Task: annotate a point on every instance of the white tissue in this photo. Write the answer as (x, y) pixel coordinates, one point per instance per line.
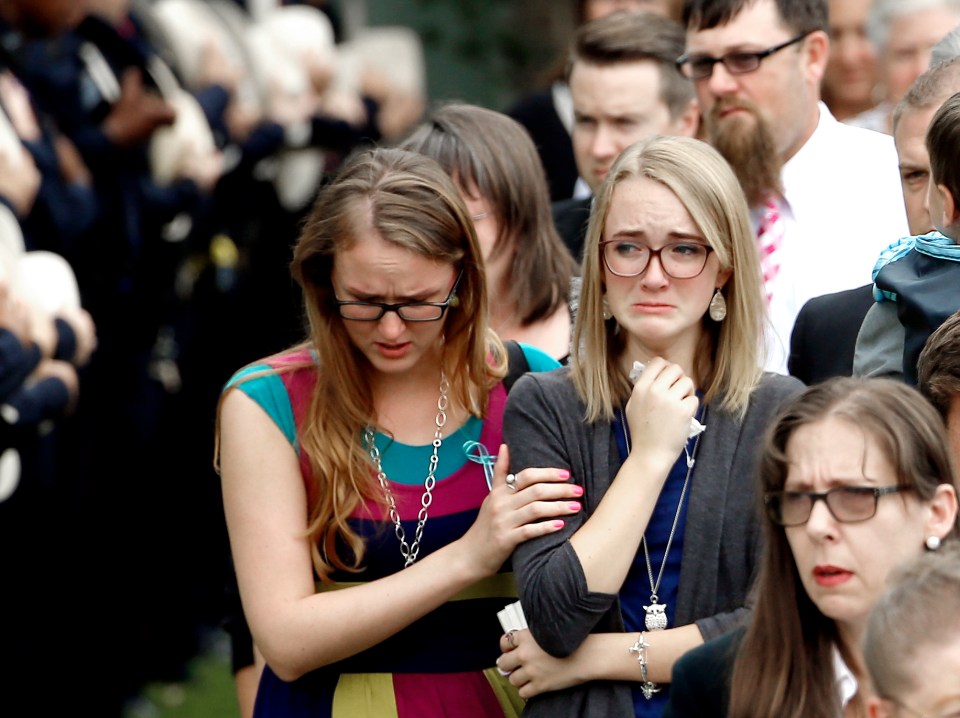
(695, 426)
(512, 618)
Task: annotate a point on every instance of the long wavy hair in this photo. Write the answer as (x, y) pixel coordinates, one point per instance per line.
(728, 361)
(490, 151)
(784, 666)
(413, 203)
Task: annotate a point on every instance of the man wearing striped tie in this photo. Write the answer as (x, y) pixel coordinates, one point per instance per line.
(825, 196)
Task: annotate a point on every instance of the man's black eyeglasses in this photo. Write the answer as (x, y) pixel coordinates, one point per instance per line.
(407, 311)
(700, 67)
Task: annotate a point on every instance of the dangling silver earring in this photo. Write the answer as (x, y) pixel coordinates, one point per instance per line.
(933, 543)
(607, 314)
(718, 307)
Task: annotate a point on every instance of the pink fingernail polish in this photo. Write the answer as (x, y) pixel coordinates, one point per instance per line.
(574, 506)
(578, 491)
(559, 524)
(563, 474)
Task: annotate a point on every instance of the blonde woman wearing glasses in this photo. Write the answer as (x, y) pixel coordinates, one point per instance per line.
(365, 486)
(662, 556)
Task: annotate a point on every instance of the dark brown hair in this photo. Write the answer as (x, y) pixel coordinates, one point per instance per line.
(943, 145)
(632, 37)
(486, 149)
(938, 368)
(797, 15)
(784, 665)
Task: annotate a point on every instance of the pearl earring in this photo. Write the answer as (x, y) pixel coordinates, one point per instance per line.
(933, 543)
(607, 314)
(718, 307)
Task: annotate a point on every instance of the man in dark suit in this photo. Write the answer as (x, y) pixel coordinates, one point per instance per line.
(825, 333)
(625, 87)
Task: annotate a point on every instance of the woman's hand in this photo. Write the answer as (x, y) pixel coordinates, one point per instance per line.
(534, 671)
(659, 410)
(532, 504)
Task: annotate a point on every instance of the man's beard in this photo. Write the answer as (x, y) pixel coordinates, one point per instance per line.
(746, 141)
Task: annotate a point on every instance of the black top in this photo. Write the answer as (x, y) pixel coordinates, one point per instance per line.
(571, 217)
(701, 679)
(825, 334)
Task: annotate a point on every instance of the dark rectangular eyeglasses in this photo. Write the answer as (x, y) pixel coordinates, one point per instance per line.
(407, 311)
(700, 67)
(847, 504)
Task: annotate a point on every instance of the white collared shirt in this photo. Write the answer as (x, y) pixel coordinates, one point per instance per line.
(843, 205)
(846, 682)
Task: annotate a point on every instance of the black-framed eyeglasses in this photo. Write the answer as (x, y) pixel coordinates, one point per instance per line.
(680, 260)
(740, 62)
(407, 311)
(847, 504)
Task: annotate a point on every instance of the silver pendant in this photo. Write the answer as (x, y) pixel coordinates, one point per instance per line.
(648, 689)
(656, 618)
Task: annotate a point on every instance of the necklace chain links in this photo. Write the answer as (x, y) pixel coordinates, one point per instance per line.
(656, 618)
(411, 551)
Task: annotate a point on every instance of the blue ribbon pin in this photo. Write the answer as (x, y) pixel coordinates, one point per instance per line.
(478, 454)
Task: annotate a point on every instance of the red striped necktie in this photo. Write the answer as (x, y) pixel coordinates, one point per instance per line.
(769, 240)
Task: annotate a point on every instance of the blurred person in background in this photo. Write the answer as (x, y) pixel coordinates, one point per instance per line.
(904, 33)
(912, 642)
(496, 168)
(850, 80)
(547, 112)
(625, 87)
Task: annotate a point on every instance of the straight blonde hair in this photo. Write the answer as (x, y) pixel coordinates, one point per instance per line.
(728, 361)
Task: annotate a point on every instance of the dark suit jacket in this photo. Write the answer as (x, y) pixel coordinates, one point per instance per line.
(537, 114)
(825, 334)
(700, 685)
(571, 216)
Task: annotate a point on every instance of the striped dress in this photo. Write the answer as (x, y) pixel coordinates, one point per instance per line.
(443, 663)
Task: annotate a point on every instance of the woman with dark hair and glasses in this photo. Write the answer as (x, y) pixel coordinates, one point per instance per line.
(855, 479)
(365, 485)
(663, 554)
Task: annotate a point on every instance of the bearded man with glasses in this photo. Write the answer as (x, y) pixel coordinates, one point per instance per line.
(824, 196)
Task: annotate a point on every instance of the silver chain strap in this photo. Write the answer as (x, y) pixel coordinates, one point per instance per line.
(655, 587)
(410, 552)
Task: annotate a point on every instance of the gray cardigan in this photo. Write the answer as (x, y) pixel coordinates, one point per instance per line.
(544, 426)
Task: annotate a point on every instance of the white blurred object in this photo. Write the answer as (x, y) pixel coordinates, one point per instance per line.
(11, 243)
(9, 473)
(294, 55)
(47, 282)
(191, 27)
(44, 280)
(188, 137)
(302, 32)
(512, 618)
(395, 52)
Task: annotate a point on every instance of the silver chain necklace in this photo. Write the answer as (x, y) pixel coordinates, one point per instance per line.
(408, 551)
(656, 613)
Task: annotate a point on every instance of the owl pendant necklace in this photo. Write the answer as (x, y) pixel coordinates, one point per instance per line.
(656, 613)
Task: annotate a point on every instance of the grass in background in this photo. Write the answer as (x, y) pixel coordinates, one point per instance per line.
(208, 693)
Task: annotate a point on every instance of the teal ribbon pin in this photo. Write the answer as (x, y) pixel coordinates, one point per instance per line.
(478, 454)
